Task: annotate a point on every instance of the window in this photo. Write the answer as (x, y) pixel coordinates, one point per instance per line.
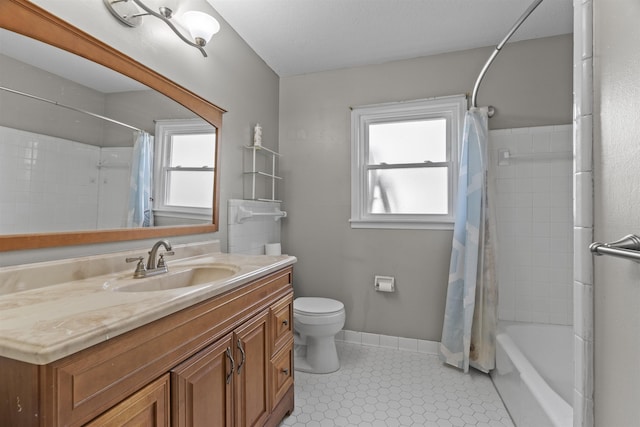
(404, 159)
(184, 168)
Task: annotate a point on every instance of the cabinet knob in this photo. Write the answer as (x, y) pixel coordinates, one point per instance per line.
(285, 371)
(285, 322)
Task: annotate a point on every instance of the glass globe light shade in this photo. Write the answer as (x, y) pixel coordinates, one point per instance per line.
(201, 26)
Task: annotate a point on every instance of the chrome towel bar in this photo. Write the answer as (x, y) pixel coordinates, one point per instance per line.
(244, 214)
(627, 247)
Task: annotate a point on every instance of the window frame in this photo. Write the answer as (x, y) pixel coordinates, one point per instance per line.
(165, 130)
(450, 108)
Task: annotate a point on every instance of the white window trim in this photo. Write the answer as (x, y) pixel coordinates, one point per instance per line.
(451, 107)
(164, 130)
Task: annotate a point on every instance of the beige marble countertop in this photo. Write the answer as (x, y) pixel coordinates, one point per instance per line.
(47, 323)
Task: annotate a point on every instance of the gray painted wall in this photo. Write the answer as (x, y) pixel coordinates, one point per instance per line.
(530, 84)
(233, 77)
(616, 199)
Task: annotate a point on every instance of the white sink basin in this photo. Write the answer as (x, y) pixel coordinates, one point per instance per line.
(173, 280)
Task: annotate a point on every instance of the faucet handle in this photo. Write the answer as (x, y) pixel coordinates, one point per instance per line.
(161, 261)
(139, 267)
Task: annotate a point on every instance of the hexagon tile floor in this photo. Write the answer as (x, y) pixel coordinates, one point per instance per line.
(378, 386)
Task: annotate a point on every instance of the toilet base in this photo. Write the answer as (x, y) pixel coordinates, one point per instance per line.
(321, 356)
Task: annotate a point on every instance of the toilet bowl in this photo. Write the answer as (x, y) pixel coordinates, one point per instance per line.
(316, 321)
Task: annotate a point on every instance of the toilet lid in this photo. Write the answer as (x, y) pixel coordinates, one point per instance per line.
(312, 306)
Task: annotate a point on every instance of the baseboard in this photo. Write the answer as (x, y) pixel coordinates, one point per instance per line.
(387, 341)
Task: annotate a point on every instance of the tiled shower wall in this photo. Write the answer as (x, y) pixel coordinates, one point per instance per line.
(534, 223)
(53, 184)
(113, 186)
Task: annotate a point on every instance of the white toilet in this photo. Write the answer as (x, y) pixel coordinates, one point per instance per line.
(316, 321)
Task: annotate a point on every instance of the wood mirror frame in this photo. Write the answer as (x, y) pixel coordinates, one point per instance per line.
(25, 18)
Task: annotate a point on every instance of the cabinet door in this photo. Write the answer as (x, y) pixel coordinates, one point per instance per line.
(201, 393)
(252, 386)
(147, 407)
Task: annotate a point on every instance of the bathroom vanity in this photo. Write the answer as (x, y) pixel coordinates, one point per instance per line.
(110, 350)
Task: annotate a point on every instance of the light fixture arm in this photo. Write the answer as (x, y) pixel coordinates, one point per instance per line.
(201, 25)
(167, 21)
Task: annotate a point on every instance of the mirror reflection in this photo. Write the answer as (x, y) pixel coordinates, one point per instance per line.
(85, 148)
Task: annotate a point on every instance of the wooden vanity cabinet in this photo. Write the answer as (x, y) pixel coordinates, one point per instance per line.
(226, 361)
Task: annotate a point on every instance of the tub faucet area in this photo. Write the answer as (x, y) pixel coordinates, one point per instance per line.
(152, 267)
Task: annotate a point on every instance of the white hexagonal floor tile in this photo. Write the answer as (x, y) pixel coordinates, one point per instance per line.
(384, 387)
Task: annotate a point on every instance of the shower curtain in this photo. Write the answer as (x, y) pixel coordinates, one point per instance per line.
(468, 334)
(139, 212)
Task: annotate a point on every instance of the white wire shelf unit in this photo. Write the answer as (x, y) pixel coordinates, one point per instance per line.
(255, 173)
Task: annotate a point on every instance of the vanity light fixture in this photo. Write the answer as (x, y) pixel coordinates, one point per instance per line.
(200, 25)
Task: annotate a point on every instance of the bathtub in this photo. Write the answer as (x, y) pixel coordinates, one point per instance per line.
(534, 373)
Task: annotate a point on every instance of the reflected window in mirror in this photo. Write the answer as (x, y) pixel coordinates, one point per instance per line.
(184, 170)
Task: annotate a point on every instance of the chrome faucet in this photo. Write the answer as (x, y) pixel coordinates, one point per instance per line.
(152, 268)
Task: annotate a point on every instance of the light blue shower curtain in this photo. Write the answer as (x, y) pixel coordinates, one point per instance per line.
(468, 333)
(139, 212)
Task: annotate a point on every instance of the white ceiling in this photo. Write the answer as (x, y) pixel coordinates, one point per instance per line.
(303, 36)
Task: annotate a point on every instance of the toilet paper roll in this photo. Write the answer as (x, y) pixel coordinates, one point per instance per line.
(273, 249)
(385, 284)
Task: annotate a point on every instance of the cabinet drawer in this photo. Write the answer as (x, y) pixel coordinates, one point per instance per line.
(281, 323)
(147, 407)
(281, 372)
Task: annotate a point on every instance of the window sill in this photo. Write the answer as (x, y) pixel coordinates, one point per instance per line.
(206, 216)
(402, 225)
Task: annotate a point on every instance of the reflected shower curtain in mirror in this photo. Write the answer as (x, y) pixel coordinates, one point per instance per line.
(468, 333)
(139, 213)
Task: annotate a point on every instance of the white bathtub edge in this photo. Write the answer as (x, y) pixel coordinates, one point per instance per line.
(557, 409)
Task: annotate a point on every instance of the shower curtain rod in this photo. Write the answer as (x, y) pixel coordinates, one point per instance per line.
(495, 53)
(68, 107)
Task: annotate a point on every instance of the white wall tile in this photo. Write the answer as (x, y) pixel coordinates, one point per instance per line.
(430, 347)
(353, 337)
(582, 354)
(389, 341)
(408, 344)
(583, 197)
(582, 256)
(583, 311)
(586, 16)
(534, 211)
(583, 152)
(370, 339)
(250, 235)
(586, 97)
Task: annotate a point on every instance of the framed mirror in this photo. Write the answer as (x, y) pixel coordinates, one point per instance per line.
(138, 88)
